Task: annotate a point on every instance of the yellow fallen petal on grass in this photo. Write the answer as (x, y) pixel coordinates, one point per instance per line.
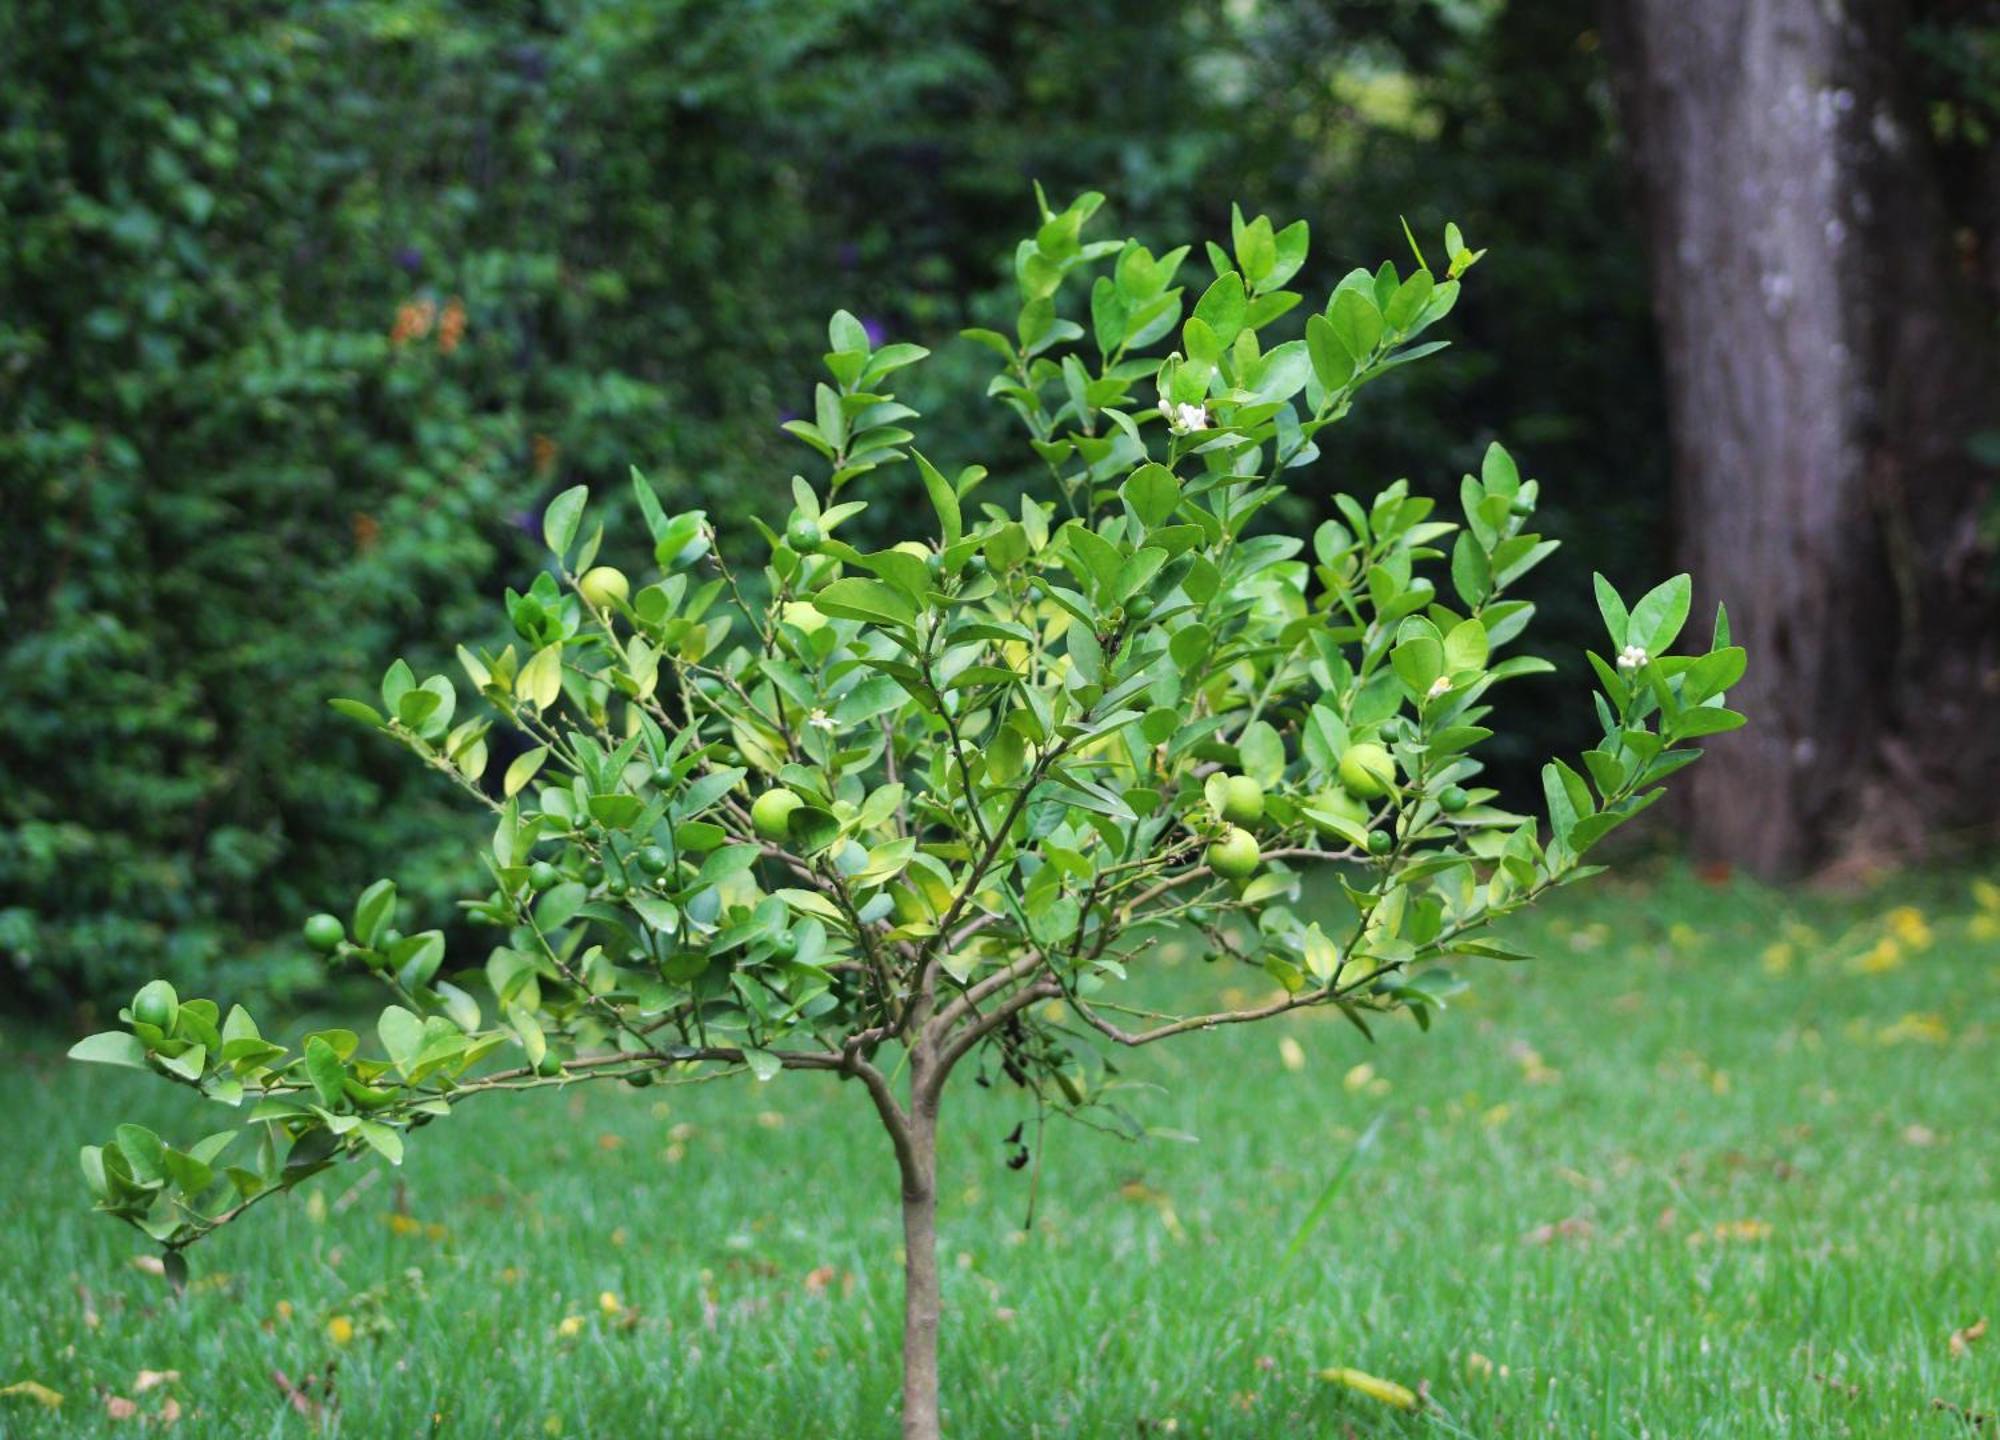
(1291, 1054)
(33, 1390)
(340, 1329)
(1373, 1386)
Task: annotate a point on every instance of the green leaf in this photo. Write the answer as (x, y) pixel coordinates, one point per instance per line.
(616, 811)
(874, 696)
(564, 514)
(944, 499)
(868, 600)
(1222, 307)
(540, 680)
(1357, 324)
(1465, 647)
(384, 1141)
(1419, 662)
(328, 1075)
(559, 906)
(524, 768)
(402, 1036)
(373, 911)
(1616, 621)
(1262, 752)
(1333, 365)
(1153, 493)
(358, 710)
(110, 1047)
(1661, 612)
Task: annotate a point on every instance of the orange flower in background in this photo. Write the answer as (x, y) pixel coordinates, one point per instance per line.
(451, 325)
(545, 452)
(414, 319)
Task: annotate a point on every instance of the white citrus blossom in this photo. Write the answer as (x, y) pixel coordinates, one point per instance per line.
(1439, 686)
(1184, 419)
(1632, 657)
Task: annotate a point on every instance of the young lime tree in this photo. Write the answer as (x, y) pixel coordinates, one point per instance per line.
(880, 812)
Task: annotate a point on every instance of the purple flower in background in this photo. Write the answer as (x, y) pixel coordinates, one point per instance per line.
(410, 258)
(529, 522)
(532, 62)
(849, 255)
(875, 331)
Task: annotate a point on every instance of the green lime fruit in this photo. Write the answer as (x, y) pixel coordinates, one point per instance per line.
(804, 536)
(1235, 856)
(1453, 799)
(653, 860)
(156, 1005)
(602, 587)
(1380, 842)
(1139, 607)
(324, 933)
(1367, 770)
(663, 776)
(1242, 800)
(771, 816)
(785, 946)
(549, 1064)
(543, 876)
(616, 888)
(639, 1079)
(593, 874)
(1335, 801)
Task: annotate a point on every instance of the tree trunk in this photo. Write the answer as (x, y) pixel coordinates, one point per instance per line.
(917, 1160)
(1827, 362)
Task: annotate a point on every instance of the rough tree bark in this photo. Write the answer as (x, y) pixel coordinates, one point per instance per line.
(1827, 360)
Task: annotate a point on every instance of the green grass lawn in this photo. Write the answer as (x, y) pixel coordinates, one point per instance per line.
(1722, 1164)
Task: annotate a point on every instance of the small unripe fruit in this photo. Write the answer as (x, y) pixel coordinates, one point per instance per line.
(639, 1079)
(1380, 842)
(1367, 770)
(603, 586)
(324, 933)
(1139, 607)
(804, 536)
(662, 776)
(156, 1005)
(549, 1064)
(1242, 800)
(653, 860)
(785, 946)
(542, 876)
(1453, 799)
(771, 816)
(593, 874)
(616, 888)
(804, 617)
(1235, 856)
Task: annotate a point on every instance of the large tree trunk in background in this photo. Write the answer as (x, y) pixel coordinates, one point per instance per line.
(1827, 358)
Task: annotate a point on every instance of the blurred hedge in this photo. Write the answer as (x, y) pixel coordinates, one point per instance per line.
(306, 305)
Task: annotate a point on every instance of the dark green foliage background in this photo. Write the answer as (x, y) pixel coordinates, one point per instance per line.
(226, 495)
